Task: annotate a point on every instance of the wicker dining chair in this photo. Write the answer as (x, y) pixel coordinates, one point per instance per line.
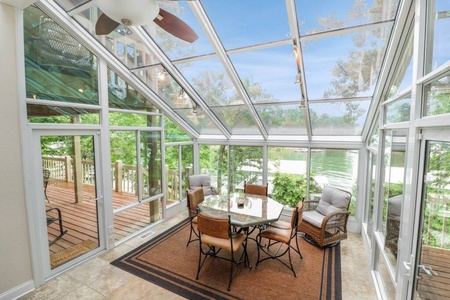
(216, 234)
(325, 221)
(194, 198)
(282, 232)
(255, 189)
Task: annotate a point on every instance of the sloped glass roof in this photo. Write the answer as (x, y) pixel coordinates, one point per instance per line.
(270, 69)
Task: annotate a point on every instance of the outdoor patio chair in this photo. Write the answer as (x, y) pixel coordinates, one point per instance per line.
(215, 233)
(203, 181)
(282, 232)
(325, 221)
(52, 218)
(194, 198)
(255, 189)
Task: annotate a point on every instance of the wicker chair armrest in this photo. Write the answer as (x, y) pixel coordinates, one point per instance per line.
(335, 216)
(310, 205)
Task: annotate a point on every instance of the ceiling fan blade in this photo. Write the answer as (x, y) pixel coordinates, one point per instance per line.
(105, 25)
(175, 26)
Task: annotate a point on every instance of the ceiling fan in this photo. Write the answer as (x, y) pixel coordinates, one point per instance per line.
(138, 13)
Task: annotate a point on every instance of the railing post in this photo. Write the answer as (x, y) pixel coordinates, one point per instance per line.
(118, 174)
(68, 169)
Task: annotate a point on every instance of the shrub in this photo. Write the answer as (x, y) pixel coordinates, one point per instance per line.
(289, 189)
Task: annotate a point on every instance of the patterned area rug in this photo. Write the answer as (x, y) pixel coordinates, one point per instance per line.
(167, 262)
(65, 255)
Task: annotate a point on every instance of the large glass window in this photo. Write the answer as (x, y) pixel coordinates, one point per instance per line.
(437, 97)
(287, 174)
(245, 165)
(57, 66)
(399, 110)
(214, 161)
(393, 184)
(179, 164)
(437, 34)
(336, 167)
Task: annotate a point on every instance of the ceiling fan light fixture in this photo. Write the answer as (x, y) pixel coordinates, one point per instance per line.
(130, 12)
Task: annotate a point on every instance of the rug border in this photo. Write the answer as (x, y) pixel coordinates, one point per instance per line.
(182, 287)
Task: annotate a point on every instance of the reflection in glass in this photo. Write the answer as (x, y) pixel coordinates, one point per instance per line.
(351, 69)
(327, 16)
(283, 119)
(394, 169)
(399, 110)
(57, 66)
(438, 20)
(437, 97)
(237, 119)
(61, 115)
(122, 95)
(338, 117)
(403, 72)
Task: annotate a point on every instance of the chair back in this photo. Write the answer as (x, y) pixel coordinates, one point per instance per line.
(297, 215)
(333, 199)
(201, 180)
(194, 198)
(46, 176)
(255, 189)
(216, 227)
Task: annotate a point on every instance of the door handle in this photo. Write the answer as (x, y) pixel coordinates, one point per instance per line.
(428, 270)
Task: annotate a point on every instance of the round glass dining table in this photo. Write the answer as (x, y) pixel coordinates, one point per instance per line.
(245, 210)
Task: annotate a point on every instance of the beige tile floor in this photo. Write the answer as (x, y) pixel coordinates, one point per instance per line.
(98, 279)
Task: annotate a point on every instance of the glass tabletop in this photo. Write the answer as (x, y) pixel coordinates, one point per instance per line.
(245, 210)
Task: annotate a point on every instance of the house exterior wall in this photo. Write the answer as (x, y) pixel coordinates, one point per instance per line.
(15, 261)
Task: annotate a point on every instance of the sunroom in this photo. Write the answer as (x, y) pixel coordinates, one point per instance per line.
(289, 94)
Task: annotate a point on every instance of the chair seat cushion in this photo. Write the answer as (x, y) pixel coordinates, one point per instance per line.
(277, 234)
(224, 243)
(313, 217)
(332, 199)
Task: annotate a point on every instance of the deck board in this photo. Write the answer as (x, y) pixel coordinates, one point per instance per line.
(80, 219)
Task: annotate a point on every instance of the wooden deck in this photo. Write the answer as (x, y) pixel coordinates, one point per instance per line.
(437, 287)
(80, 219)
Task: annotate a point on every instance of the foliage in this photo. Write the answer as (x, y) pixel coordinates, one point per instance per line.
(289, 189)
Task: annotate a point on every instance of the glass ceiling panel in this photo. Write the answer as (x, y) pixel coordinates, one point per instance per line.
(174, 47)
(123, 43)
(351, 69)
(68, 5)
(268, 75)
(283, 119)
(165, 86)
(199, 121)
(243, 23)
(210, 80)
(237, 119)
(338, 117)
(328, 15)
